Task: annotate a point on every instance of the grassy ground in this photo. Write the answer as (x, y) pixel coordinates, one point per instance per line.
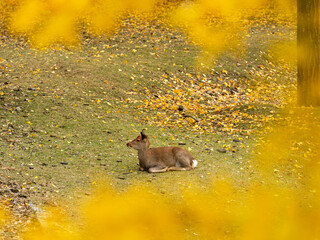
(66, 118)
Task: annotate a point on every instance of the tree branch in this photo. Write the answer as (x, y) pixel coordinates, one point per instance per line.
(181, 109)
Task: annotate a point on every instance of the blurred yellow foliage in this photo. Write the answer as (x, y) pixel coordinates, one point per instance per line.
(51, 224)
(136, 214)
(27, 16)
(211, 24)
(2, 216)
(46, 22)
(263, 212)
(285, 52)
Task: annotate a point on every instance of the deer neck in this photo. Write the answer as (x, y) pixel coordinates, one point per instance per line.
(143, 154)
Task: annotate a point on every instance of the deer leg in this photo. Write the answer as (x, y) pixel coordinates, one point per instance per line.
(157, 169)
(179, 168)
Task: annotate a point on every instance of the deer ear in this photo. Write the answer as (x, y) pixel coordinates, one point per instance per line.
(143, 135)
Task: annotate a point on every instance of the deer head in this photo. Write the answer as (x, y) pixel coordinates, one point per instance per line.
(140, 143)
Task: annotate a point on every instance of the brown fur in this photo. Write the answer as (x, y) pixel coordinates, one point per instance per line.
(161, 159)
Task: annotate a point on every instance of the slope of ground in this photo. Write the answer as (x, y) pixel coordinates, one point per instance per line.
(67, 114)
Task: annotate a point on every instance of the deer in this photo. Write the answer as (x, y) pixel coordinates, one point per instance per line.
(161, 159)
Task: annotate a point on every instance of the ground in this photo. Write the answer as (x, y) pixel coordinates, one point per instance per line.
(67, 113)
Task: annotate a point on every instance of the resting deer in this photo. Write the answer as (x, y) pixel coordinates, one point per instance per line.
(161, 159)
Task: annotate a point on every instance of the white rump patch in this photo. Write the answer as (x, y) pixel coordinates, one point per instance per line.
(194, 163)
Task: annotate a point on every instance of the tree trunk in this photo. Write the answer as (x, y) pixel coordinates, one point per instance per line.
(308, 53)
